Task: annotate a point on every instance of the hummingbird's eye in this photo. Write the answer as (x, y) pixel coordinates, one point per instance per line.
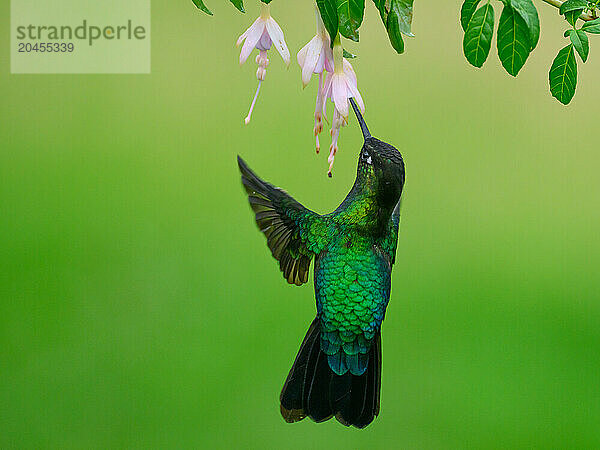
(367, 158)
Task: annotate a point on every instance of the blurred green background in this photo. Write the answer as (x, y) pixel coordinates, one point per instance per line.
(140, 307)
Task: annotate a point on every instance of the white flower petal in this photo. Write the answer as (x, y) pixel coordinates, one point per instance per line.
(326, 92)
(349, 71)
(245, 33)
(301, 57)
(276, 35)
(327, 85)
(253, 35)
(312, 57)
(339, 94)
(354, 92)
(320, 66)
(241, 38)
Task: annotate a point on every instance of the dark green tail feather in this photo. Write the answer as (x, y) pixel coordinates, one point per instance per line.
(312, 389)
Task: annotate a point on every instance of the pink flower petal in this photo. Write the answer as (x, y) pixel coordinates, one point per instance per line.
(354, 93)
(278, 40)
(241, 38)
(327, 85)
(339, 94)
(320, 66)
(349, 71)
(312, 56)
(326, 92)
(245, 33)
(301, 57)
(253, 35)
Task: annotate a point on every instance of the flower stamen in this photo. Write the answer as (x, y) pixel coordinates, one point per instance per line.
(249, 116)
(318, 108)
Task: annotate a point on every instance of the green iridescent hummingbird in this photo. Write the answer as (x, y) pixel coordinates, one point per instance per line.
(337, 371)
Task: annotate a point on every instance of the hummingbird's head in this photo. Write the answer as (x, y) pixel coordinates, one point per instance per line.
(381, 165)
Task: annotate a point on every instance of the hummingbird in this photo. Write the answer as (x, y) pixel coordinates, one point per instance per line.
(337, 371)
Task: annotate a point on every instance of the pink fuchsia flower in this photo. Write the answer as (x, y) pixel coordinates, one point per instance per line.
(317, 57)
(262, 34)
(339, 87)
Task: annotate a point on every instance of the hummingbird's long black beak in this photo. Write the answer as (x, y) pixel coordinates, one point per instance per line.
(363, 126)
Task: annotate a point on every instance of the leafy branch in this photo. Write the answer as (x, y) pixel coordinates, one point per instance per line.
(584, 16)
(518, 31)
(346, 16)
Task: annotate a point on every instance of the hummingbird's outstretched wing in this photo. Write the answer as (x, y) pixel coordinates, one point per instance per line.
(390, 239)
(294, 233)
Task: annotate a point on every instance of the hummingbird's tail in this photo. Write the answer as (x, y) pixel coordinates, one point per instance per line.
(312, 389)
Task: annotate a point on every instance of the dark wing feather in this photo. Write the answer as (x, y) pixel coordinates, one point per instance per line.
(287, 225)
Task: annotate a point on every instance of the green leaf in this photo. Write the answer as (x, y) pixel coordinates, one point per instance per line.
(528, 12)
(380, 5)
(403, 9)
(328, 11)
(348, 55)
(513, 43)
(200, 5)
(593, 26)
(571, 5)
(394, 21)
(466, 12)
(350, 14)
(266, 1)
(478, 37)
(581, 43)
(394, 33)
(572, 16)
(239, 4)
(563, 75)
